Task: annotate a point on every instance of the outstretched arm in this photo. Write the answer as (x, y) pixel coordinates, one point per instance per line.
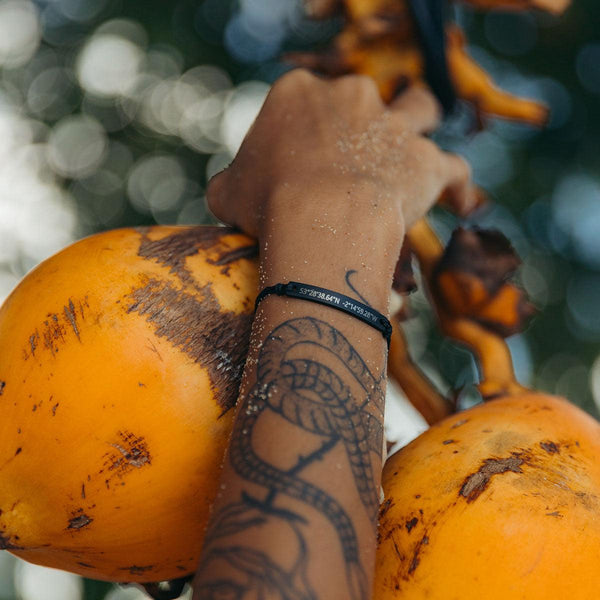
(327, 180)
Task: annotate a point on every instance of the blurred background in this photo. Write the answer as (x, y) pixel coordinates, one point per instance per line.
(116, 113)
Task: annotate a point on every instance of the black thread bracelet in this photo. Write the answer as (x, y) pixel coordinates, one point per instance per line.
(313, 293)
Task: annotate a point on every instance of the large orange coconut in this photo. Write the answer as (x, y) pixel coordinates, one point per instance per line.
(500, 501)
(120, 359)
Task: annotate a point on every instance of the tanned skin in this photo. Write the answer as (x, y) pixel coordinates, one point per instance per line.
(327, 179)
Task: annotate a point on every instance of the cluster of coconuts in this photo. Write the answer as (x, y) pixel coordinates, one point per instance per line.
(119, 363)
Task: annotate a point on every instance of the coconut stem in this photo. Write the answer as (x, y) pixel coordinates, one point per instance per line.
(414, 383)
(497, 372)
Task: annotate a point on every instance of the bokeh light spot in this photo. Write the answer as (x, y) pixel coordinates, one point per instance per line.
(242, 108)
(194, 212)
(156, 184)
(588, 59)
(108, 65)
(77, 146)
(20, 32)
(255, 34)
(51, 93)
(512, 34)
(216, 163)
(583, 300)
(576, 211)
(81, 10)
(521, 357)
(490, 159)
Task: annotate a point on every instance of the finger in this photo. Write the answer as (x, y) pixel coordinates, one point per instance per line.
(458, 190)
(419, 109)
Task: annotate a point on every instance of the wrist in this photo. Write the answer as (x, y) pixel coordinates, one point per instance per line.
(353, 213)
(330, 240)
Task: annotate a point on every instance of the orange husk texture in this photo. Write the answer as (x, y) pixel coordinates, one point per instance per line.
(114, 414)
(500, 501)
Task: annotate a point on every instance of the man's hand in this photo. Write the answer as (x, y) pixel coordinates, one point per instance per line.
(314, 138)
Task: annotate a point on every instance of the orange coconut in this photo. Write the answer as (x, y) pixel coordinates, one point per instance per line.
(500, 501)
(120, 359)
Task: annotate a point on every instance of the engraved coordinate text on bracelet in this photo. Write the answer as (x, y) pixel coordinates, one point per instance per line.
(313, 293)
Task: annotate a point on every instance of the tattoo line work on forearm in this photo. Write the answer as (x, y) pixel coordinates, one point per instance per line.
(349, 284)
(311, 396)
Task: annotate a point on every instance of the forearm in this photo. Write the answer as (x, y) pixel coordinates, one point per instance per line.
(296, 512)
(326, 180)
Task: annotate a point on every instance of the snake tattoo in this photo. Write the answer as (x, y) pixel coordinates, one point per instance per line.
(294, 382)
